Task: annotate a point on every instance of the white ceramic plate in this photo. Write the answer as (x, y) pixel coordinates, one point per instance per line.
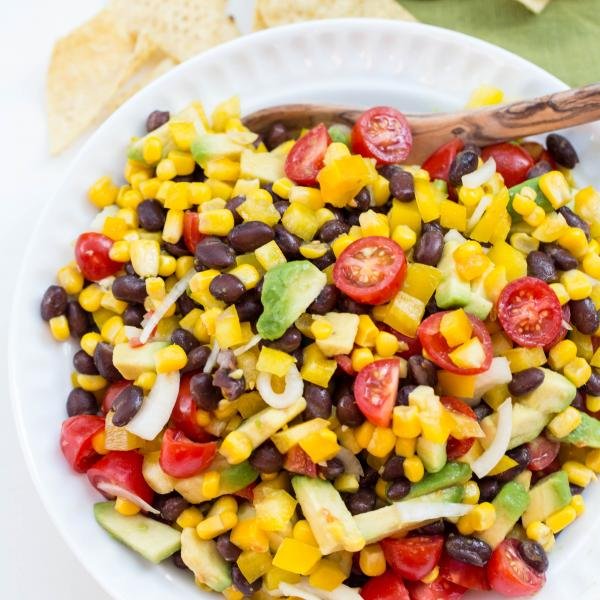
(414, 67)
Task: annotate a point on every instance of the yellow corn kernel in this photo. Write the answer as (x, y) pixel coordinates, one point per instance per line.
(167, 265)
(470, 260)
(578, 503)
(247, 274)
(386, 344)
(173, 228)
(561, 292)
(324, 215)
(200, 282)
(89, 341)
(485, 95)
(183, 161)
(301, 221)
(372, 561)
(171, 358)
(90, 297)
(346, 483)
(214, 204)
(119, 251)
(152, 150)
(216, 222)
(524, 243)
(372, 223)
(456, 327)
(404, 236)
(282, 187)
(536, 217)
(555, 187)
(561, 354)
(274, 361)
(203, 418)
(560, 519)
(577, 284)
(361, 357)
(199, 192)
(414, 469)
(565, 422)
(59, 327)
(91, 383)
(592, 460)
(155, 288)
(342, 242)
(145, 257)
(326, 575)
(464, 525)
(308, 196)
(483, 516)
(210, 485)
(432, 575)
(574, 241)
(178, 196)
(578, 371)
(592, 403)
(126, 507)
(367, 332)
(70, 279)
(591, 266)
(406, 423)
(470, 196)
(109, 302)
(232, 593)
(313, 249)
(236, 447)
(223, 504)
(363, 434)
(219, 189)
(321, 329)
(211, 527)
(296, 556)
(471, 493)
(542, 534)
(146, 380)
(103, 192)
(149, 188)
(320, 445)
(303, 533)
(578, 473)
(269, 255)
(183, 265)
(406, 446)
(523, 205)
(382, 442)
(165, 169)
(111, 329)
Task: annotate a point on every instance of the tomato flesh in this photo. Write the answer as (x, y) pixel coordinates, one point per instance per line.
(382, 133)
(542, 453)
(305, 159)
(76, 437)
(184, 413)
(414, 557)
(440, 589)
(297, 461)
(438, 164)
(510, 575)
(370, 270)
(191, 234)
(512, 161)
(529, 312)
(464, 574)
(376, 389)
(113, 390)
(438, 350)
(456, 448)
(92, 256)
(181, 457)
(344, 362)
(385, 587)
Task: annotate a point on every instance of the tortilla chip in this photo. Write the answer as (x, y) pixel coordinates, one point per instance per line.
(536, 6)
(279, 12)
(181, 28)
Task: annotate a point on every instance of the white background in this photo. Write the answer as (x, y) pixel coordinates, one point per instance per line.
(34, 560)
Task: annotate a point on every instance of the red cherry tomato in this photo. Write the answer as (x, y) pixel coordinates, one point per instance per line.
(376, 389)
(123, 469)
(413, 343)
(191, 234)
(247, 493)
(180, 457)
(297, 461)
(370, 270)
(344, 362)
(76, 437)
(91, 254)
(463, 574)
(184, 413)
(305, 159)
(414, 557)
(510, 575)
(512, 162)
(534, 149)
(113, 390)
(382, 133)
(438, 350)
(529, 312)
(542, 453)
(438, 164)
(566, 317)
(456, 448)
(440, 589)
(385, 587)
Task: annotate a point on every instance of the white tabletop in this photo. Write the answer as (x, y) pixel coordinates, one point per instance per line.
(34, 560)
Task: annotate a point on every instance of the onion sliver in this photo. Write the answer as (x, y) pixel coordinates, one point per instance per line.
(211, 361)
(351, 464)
(115, 490)
(496, 450)
(250, 344)
(415, 511)
(478, 212)
(497, 374)
(294, 388)
(481, 175)
(304, 590)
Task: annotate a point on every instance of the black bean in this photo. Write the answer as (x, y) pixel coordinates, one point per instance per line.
(562, 150)
(403, 394)
(592, 386)
(171, 507)
(227, 287)
(541, 266)
(289, 341)
(129, 288)
(151, 215)
(84, 363)
(250, 235)
(277, 134)
(540, 167)
(288, 243)
(281, 206)
(212, 253)
(324, 261)
(432, 226)
(435, 528)
(347, 304)
(185, 339)
(127, 404)
(177, 250)
(575, 489)
(422, 371)
(249, 306)
(522, 456)
(534, 555)
(393, 468)
(333, 469)
(468, 549)
(156, 118)
(525, 381)
(298, 354)
(81, 402)
(318, 402)
(134, 315)
(79, 320)
(178, 561)
(54, 302)
(231, 387)
(232, 205)
(103, 359)
(205, 394)
(464, 162)
(332, 229)
(574, 220)
(584, 315)
(482, 410)
(429, 248)
(363, 199)
(579, 401)
(562, 258)
(370, 476)
(242, 584)
(266, 458)
(402, 185)
(361, 501)
(488, 489)
(472, 148)
(325, 302)
(398, 489)
(227, 549)
(185, 304)
(197, 358)
(347, 410)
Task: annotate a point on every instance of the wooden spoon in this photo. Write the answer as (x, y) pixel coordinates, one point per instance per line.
(481, 126)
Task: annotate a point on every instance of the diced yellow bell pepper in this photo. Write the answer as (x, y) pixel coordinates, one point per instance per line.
(296, 556)
(453, 384)
(404, 313)
(372, 223)
(421, 281)
(274, 508)
(525, 358)
(342, 179)
(587, 206)
(428, 201)
(456, 327)
(405, 213)
(486, 227)
(551, 229)
(453, 215)
(254, 564)
(556, 188)
(320, 445)
(316, 368)
(228, 331)
(514, 262)
(274, 361)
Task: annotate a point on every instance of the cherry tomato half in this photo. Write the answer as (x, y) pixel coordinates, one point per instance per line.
(370, 270)
(344, 362)
(376, 389)
(385, 587)
(456, 448)
(91, 254)
(529, 312)
(382, 133)
(566, 317)
(438, 350)
(440, 589)
(512, 162)
(123, 469)
(191, 234)
(305, 159)
(510, 575)
(76, 437)
(184, 413)
(297, 461)
(463, 574)
(438, 164)
(180, 457)
(113, 390)
(542, 453)
(414, 557)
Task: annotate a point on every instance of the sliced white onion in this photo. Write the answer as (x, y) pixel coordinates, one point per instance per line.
(132, 332)
(567, 325)
(454, 236)
(106, 283)
(351, 463)
(211, 361)
(497, 374)
(304, 590)
(176, 291)
(97, 223)
(157, 407)
(478, 212)
(413, 512)
(116, 490)
(294, 388)
(287, 589)
(248, 345)
(480, 175)
(496, 450)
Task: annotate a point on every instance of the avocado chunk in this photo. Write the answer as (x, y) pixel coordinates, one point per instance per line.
(432, 454)
(453, 473)
(586, 434)
(452, 291)
(204, 560)
(288, 290)
(341, 340)
(266, 166)
(540, 199)
(510, 504)
(554, 394)
(132, 362)
(340, 133)
(329, 518)
(527, 424)
(478, 306)
(547, 496)
(215, 145)
(153, 540)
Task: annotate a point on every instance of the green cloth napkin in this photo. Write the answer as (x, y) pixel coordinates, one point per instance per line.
(564, 39)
